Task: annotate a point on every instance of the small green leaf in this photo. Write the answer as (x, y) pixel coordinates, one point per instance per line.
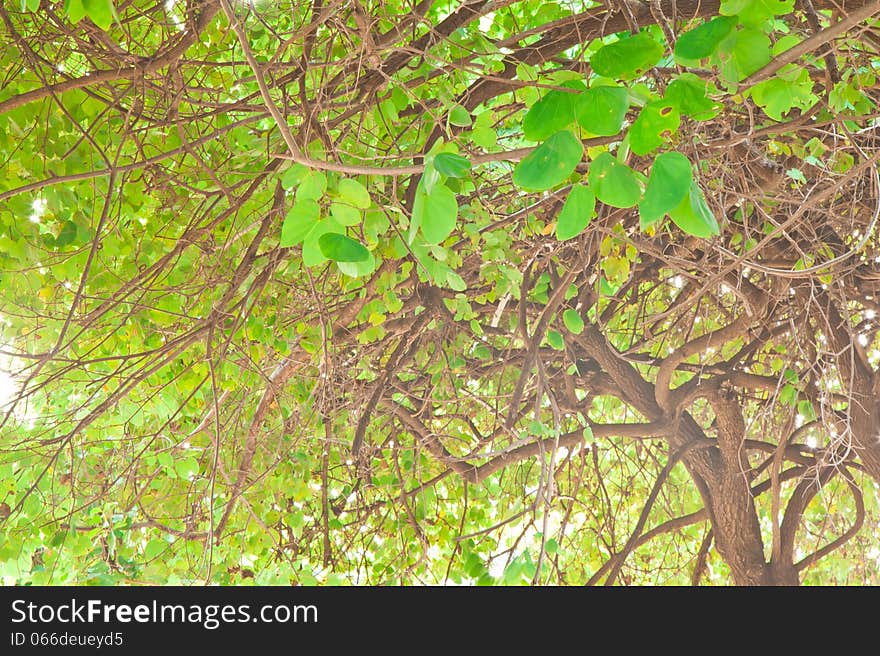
(293, 175)
(451, 165)
(100, 11)
(631, 55)
(66, 235)
(668, 184)
(300, 220)
(755, 12)
(186, 467)
(459, 116)
(694, 216)
(601, 110)
(345, 214)
(656, 124)
(579, 209)
(614, 183)
(555, 340)
(312, 186)
(154, 548)
(702, 41)
(573, 321)
(435, 212)
(74, 10)
(550, 163)
(33, 5)
(689, 95)
(354, 193)
(552, 113)
(340, 248)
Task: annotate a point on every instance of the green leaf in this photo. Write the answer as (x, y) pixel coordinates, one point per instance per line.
(554, 339)
(694, 216)
(601, 110)
(668, 184)
(100, 11)
(550, 163)
(656, 124)
(293, 175)
(301, 219)
(32, 5)
(435, 212)
(630, 56)
(573, 321)
(579, 209)
(340, 248)
(552, 113)
(614, 183)
(751, 52)
(452, 166)
(74, 10)
(755, 12)
(186, 467)
(777, 96)
(354, 193)
(459, 116)
(154, 548)
(312, 186)
(702, 41)
(688, 94)
(66, 235)
(345, 214)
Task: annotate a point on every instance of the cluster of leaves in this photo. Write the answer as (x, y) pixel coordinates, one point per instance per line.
(371, 292)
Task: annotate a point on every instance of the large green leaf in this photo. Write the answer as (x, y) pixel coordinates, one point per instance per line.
(550, 163)
(579, 209)
(340, 248)
(668, 184)
(656, 124)
(694, 216)
(552, 113)
(601, 110)
(435, 212)
(702, 41)
(613, 182)
(631, 56)
(301, 219)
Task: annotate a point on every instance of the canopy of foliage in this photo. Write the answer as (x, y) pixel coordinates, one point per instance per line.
(439, 291)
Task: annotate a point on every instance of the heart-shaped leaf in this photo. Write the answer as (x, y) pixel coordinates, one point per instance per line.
(579, 209)
(702, 41)
(614, 183)
(550, 163)
(694, 216)
(630, 56)
(689, 95)
(300, 220)
(552, 113)
(668, 184)
(354, 193)
(601, 110)
(340, 248)
(656, 123)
